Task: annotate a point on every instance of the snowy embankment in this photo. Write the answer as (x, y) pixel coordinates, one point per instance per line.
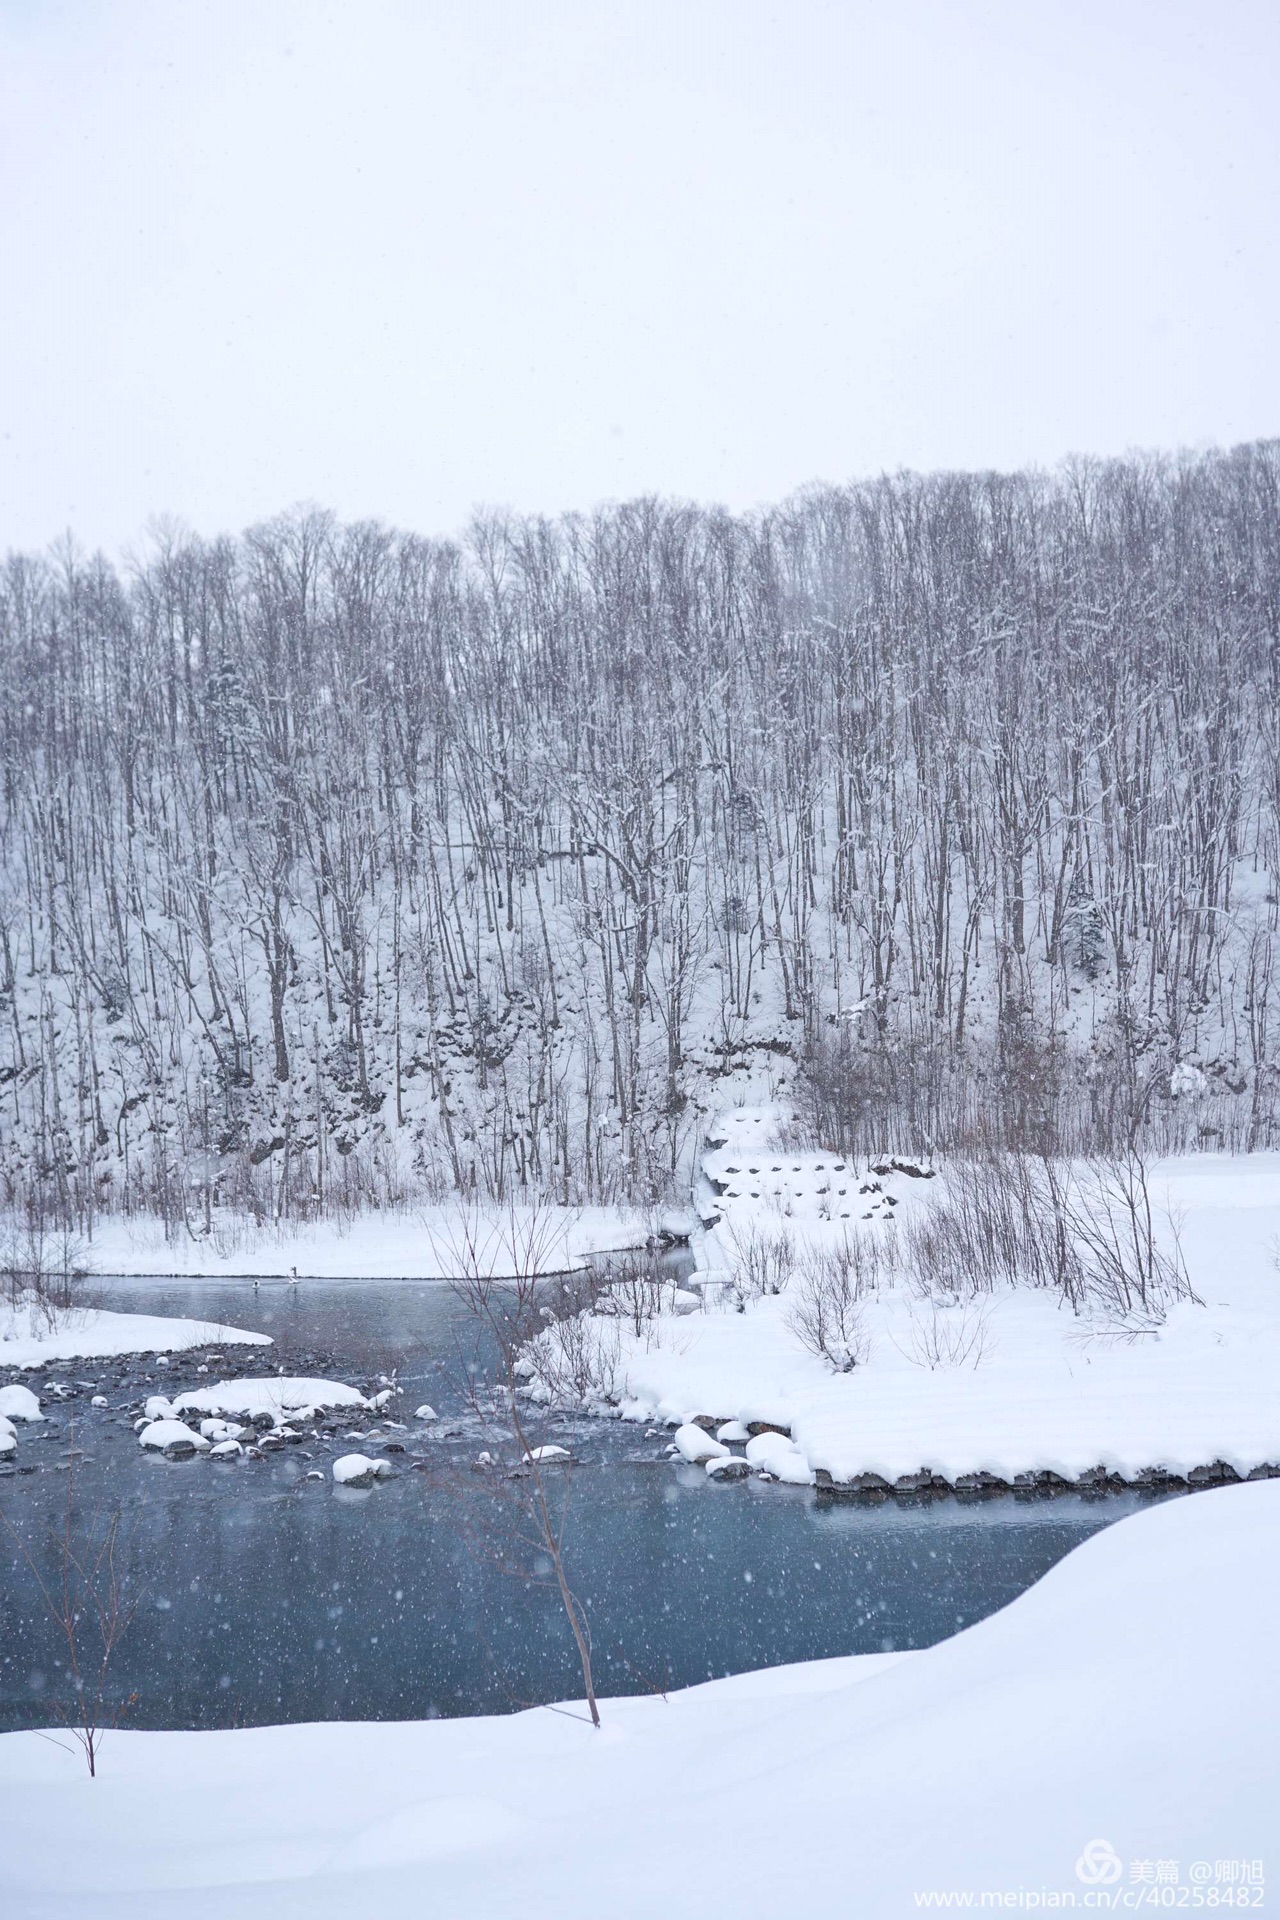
(1008, 1384)
(1090, 1721)
(435, 1243)
(92, 1333)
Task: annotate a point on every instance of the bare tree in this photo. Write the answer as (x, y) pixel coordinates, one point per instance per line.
(90, 1600)
(525, 1482)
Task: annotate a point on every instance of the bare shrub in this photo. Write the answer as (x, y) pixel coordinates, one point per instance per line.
(89, 1597)
(530, 1498)
(946, 1336)
(42, 1270)
(763, 1260)
(634, 1289)
(573, 1360)
(1086, 1229)
(830, 1284)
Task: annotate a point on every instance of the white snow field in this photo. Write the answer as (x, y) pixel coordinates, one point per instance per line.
(429, 1243)
(1039, 1390)
(93, 1333)
(1123, 1709)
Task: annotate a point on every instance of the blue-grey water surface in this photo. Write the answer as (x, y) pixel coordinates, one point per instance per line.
(264, 1596)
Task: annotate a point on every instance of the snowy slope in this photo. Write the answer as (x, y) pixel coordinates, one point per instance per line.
(1126, 1706)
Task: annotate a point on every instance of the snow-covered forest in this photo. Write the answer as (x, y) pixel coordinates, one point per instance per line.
(342, 866)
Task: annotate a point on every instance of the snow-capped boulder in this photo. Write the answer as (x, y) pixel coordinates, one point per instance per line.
(729, 1466)
(358, 1470)
(545, 1456)
(732, 1430)
(19, 1403)
(696, 1445)
(221, 1430)
(775, 1454)
(158, 1407)
(99, 1400)
(170, 1437)
(8, 1437)
(226, 1450)
(425, 1412)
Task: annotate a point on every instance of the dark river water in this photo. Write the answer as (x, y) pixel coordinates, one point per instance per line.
(260, 1595)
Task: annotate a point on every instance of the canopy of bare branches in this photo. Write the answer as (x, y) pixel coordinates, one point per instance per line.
(337, 864)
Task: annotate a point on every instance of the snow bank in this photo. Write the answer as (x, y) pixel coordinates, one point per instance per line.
(1042, 1390)
(93, 1333)
(433, 1243)
(1090, 1716)
(279, 1395)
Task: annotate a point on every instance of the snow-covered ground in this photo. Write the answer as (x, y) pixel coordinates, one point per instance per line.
(429, 1243)
(93, 1333)
(1007, 1384)
(1115, 1724)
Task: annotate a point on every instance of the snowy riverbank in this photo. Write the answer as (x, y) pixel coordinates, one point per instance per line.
(1007, 1384)
(93, 1333)
(1113, 1722)
(425, 1244)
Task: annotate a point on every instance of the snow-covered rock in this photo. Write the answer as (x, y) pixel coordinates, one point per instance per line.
(277, 1395)
(171, 1436)
(358, 1470)
(424, 1412)
(729, 1466)
(19, 1403)
(696, 1445)
(158, 1407)
(8, 1436)
(220, 1430)
(732, 1430)
(543, 1456)
(226, 1450)
(774, 1453)
(99, 1400)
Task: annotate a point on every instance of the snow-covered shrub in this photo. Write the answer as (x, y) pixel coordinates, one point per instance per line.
(827, 1290)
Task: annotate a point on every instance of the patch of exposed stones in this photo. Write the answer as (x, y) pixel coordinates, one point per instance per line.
(113, 1394)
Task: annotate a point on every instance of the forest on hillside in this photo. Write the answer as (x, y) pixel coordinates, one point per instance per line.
(340, 866)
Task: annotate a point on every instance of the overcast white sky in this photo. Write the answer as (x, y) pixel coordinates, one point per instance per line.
(405, 259)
